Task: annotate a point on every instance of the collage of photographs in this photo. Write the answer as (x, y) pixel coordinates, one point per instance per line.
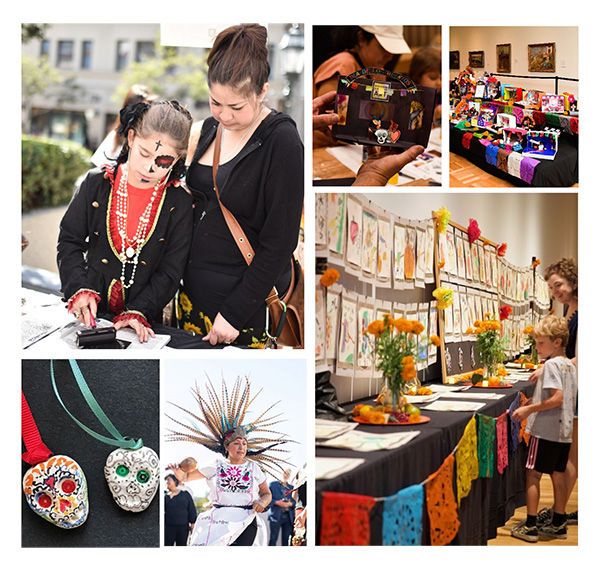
(224, 343)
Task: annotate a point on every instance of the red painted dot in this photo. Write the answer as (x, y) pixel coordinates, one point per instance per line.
(68, 486)
(45, 501)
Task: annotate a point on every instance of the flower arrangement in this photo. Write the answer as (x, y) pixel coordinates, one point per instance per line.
(490, 346)
(396, 344)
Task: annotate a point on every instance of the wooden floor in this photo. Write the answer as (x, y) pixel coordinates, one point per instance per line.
(504, 537)
(463, 173)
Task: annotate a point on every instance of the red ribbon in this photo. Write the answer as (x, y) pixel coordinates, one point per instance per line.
(37, 451)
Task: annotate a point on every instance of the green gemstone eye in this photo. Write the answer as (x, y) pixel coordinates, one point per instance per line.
(122, 470)
(143, 476)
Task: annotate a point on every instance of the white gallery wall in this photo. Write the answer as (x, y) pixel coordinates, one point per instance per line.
(486, 38)
(543, 225)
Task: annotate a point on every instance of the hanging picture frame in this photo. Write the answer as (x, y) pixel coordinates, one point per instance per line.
(541, 57)
(476, 59)
(455, 59)
(503, 58)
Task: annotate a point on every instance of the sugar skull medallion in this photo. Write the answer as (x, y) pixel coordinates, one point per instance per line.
(57, 491)
(132, 476)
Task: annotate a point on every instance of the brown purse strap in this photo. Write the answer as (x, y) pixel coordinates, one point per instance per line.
(234, 226)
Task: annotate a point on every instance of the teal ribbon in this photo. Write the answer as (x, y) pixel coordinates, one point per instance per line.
(117, 440)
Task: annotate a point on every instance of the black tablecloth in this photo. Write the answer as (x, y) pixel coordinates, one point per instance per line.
(491, 502)
(563, 171)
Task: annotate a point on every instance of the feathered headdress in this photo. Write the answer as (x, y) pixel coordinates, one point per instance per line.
(223, 420)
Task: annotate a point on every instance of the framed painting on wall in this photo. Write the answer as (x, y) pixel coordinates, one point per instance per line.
(455, 59)
(503, 58)
(541, 57)
(476, 59)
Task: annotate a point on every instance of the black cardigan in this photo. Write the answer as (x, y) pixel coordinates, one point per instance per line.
(265, 192)
(87, 260)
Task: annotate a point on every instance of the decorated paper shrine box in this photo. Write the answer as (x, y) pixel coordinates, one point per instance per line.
(512, 93)
(506, 120)
(486, 116)
(570, 104)
(533, 99)
(542, 144)
(553, 104)
(514, 139)
(389, 112)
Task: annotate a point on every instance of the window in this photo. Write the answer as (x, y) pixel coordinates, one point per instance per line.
(86, 55)
(144, 49)
(123, 54)
(65, 54)
(45, 48)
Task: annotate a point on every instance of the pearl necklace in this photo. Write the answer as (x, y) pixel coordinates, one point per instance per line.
(131, 253)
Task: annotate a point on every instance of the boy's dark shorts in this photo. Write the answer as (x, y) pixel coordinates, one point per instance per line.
(546, 456)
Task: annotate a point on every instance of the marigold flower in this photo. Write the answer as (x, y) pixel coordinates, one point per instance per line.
(535, 263)
(329, 277)
(376, 327)
(477, 323)
(469, 331)
(501, 249)
(403, 325)
(417, 327)
(435, 340)
(528, 330)
(408, 360)
(376, 417)
(442, 264)
(409, 372)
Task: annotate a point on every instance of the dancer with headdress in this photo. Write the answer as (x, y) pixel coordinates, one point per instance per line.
(238, 488)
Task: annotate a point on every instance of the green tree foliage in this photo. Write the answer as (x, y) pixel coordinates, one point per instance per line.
(50, 170)
(169, 74)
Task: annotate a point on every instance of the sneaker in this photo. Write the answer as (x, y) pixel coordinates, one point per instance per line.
(544, 516)
(522, 531)
(553, 532)
(572, 518)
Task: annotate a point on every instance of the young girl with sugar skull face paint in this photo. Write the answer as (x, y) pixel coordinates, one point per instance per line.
(125, 237)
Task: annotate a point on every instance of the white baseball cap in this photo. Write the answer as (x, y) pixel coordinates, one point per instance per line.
(391, 38)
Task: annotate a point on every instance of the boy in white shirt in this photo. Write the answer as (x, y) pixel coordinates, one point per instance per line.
(549, 415)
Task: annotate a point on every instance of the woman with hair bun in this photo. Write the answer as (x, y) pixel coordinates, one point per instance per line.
(258, 160)
(125, 237)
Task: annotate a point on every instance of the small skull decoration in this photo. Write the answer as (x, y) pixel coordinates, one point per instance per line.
(57, 491)
(132, 476)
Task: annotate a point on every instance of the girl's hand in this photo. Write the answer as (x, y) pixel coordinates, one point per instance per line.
(221, 332)
(142, 331)
(84, 309)
(520, 414)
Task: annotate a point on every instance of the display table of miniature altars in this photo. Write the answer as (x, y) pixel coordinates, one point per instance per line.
(477, 145)
(491, 501)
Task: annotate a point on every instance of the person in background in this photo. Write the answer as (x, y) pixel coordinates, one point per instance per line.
(111, 146)
(281, 514)
(180, 513)
(426, 70)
